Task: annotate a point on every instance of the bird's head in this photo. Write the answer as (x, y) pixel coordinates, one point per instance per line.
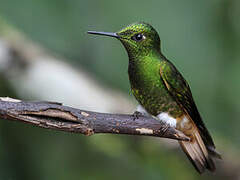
(138, 38)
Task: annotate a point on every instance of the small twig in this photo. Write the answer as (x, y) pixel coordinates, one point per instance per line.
(51, 115)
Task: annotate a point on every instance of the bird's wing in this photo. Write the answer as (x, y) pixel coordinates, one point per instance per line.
(181, 93)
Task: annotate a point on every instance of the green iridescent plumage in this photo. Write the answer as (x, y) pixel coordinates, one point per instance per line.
(144, 65)
(148, 87)
(160, 88)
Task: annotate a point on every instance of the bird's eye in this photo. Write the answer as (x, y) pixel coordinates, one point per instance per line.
(138, 37)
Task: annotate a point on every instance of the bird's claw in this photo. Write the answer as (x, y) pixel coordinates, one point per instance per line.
(136, 115)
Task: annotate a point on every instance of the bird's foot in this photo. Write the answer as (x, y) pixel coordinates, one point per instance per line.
(136, 115)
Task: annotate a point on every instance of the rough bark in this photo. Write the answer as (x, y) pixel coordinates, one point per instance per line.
(51, 115)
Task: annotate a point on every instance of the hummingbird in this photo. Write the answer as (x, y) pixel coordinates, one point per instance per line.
(162, 92)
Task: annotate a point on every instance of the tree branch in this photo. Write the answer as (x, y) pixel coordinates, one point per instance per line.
(51, 115)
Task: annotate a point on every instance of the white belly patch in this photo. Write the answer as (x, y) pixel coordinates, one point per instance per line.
(165, 117)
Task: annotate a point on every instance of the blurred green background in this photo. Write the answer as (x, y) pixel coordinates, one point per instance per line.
(202, 38)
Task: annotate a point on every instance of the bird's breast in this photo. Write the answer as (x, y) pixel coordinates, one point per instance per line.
(149, 90)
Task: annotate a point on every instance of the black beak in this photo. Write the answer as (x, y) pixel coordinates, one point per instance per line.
(104, 34)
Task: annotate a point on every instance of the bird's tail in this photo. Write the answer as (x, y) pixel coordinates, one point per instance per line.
(198, 153)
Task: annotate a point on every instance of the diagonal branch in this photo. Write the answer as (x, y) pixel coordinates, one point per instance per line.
(52, 115)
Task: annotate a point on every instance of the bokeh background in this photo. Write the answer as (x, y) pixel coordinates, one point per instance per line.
(45, 54)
